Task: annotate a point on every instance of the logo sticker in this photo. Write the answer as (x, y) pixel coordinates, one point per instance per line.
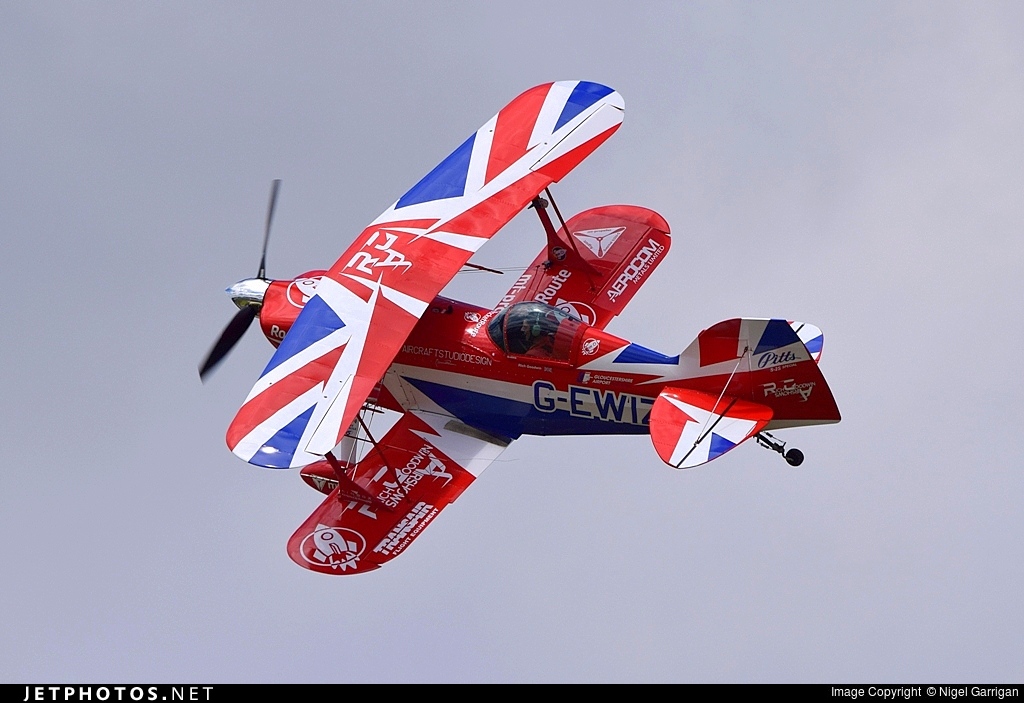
(559, 253)
(472, 317)
(407, 529)
(637, 269)
(776, 358)
(599, 241)
(381, 254)
(336, 547)
(788, 388)
(301, 290)
(591, 346)
(580, 311)
(553, 286)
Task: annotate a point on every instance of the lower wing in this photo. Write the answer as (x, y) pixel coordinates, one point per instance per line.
(387, 488)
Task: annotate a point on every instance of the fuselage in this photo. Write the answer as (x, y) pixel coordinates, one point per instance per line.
(531, 368)
(451, 360)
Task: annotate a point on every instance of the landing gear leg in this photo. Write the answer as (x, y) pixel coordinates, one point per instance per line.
(794, 457)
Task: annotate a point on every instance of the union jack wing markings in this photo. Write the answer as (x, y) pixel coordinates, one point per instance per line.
(346, 336)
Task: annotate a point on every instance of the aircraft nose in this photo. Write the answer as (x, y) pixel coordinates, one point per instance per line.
(248, 292)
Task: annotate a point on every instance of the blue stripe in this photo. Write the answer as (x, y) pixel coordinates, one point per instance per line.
(316, 320)
(447, 180)
(583, 96)
(285, 442)
(498, 416)
(502, 417)
(814, 345)
(776, 334)
(635, 354)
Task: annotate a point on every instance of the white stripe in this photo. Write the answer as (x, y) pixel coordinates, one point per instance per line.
(368, 282)
(569, 135)
(261, 434)
(486, 386)
(349, 307)
(550, 111)
(599, 118)
(336, 392)
(412, 305)
(480, 156)
(291, 365)
(466, 242)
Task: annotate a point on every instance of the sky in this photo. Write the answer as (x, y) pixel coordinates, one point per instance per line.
(857, 166)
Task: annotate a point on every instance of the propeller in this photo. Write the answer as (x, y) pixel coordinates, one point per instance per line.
(247, 295)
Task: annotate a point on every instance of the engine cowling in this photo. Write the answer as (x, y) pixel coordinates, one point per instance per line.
(283, 302)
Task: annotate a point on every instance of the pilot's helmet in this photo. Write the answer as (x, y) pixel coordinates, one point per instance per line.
(540, 323)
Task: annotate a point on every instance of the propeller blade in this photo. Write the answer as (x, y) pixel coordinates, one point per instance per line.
(266, 232)
(228, 338)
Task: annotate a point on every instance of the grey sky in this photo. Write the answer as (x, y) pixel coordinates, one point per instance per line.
(853, 165)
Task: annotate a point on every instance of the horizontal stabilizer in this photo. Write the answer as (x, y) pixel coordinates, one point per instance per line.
(690, 428)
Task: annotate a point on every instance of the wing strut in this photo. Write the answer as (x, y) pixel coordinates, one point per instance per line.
(348, 489)
(554, 241)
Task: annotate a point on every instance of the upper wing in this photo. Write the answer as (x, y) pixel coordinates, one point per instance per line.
(348, 333)
(595, 269)
(389, 491)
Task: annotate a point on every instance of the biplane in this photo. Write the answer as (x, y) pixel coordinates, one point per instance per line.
(392, 399)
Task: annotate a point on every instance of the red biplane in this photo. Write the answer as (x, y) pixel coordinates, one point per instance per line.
(392, 399)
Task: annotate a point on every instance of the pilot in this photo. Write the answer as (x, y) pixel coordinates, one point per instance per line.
(538, 333)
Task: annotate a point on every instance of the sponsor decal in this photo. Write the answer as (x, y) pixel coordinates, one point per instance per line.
(276, 332)
(553, 286)
(788, 388)
(422, 464)
(301, 290)
(447, 356)
(472, 317)
(599, 241)
(509, 298)
(407, 528)
(776, 358)
(602, 379)
(637, 268)
(558, 253)
(320, 482)
(581, 311)
(336, 547)
(593, 403)
(364, 261)
(590, 346)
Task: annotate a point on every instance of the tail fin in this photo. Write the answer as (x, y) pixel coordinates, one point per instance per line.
(765, 362)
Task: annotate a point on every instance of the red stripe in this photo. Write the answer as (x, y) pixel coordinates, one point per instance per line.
(389, 327)
(557, 169)
(260, 408)
(513, 129)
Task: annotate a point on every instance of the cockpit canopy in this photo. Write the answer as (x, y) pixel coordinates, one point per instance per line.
(534, 329)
